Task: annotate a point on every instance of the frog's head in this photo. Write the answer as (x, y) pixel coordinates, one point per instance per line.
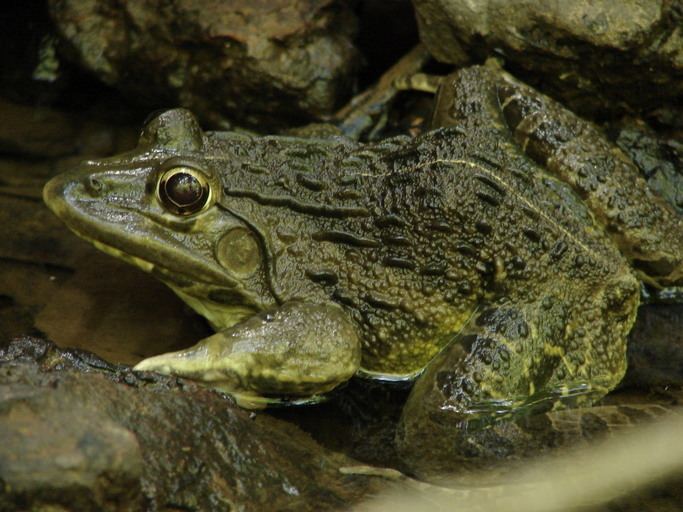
(159, 208)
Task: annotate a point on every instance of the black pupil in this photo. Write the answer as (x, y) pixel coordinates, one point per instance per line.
(183, 189)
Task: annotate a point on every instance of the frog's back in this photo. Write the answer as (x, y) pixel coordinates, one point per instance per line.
(412, 236)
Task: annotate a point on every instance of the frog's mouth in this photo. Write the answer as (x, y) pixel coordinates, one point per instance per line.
(129, 235)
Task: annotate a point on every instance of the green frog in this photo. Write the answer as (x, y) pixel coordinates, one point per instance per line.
(495, 260)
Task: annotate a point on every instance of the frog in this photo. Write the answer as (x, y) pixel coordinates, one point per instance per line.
(495, 261)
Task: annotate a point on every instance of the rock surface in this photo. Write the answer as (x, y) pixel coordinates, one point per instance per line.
(80, 434)
(597, 56)
(262, 63)
(659, 156)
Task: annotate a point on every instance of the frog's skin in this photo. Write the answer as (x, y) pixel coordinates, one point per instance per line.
(498, 257)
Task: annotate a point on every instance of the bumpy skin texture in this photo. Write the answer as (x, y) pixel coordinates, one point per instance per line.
(456, 241)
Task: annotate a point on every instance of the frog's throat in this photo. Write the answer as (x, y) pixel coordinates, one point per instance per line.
(218, 315)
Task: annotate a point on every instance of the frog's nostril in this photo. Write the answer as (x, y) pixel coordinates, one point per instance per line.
(93, 185)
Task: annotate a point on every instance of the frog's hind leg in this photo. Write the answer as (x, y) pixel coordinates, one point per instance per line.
(514, 361)
(647, 230)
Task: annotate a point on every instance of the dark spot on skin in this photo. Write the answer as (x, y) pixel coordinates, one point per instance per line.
(380, 301)
(255, 168)
(324, 277)
(490, 183)
(396, 262)
(518, 263)
(348, 195)
(483, 227)
(391, 220)
(342, 237)
(486, 268)
(486, 159)
(485, 316)
(467, 341)
(532, 235)
(311, 208)
(558, 250)
(441, 227)
(531, 214)
(427, 191)
(434, 269)
(488, 198)
(465, 288)
(508, 322)
(310, 183)
(398, 240)
(467, 250)
(343, 298)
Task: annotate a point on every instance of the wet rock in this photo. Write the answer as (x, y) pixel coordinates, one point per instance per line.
(658, 156)
(599, 57)
(381, 22)
(51, 282)
(655, 348)
(29, 68)
(43, 132)
(81, 434)
(260, 63)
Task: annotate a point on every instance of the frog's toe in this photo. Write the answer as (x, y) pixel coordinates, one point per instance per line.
(192, 362)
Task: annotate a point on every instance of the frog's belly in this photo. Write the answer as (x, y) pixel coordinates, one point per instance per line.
(404, 354)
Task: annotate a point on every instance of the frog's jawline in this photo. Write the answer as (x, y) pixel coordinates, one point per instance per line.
(220, 317)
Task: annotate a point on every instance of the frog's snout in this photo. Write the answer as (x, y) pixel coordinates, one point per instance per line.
(65, 194)
(54, 193)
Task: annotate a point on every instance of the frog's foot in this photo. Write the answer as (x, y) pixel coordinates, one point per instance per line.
(515, 361)
(298, 350)
(419, 82)
(365, 115)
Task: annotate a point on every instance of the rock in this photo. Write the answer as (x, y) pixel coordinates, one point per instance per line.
(43, 132)
(655, 349)
(599, 57)
(81, 434)
(658, 156)
(260, 63)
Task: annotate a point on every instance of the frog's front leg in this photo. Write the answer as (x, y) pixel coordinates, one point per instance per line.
(299, 349)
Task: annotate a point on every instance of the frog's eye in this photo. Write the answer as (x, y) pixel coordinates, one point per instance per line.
(183, 190)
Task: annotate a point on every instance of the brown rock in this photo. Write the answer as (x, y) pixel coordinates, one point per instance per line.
(256, 62)
(81, 434)
(598, 56)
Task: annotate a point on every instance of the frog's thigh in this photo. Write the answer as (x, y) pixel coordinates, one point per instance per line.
(646, 229)
(513, 360)
(299, 349)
